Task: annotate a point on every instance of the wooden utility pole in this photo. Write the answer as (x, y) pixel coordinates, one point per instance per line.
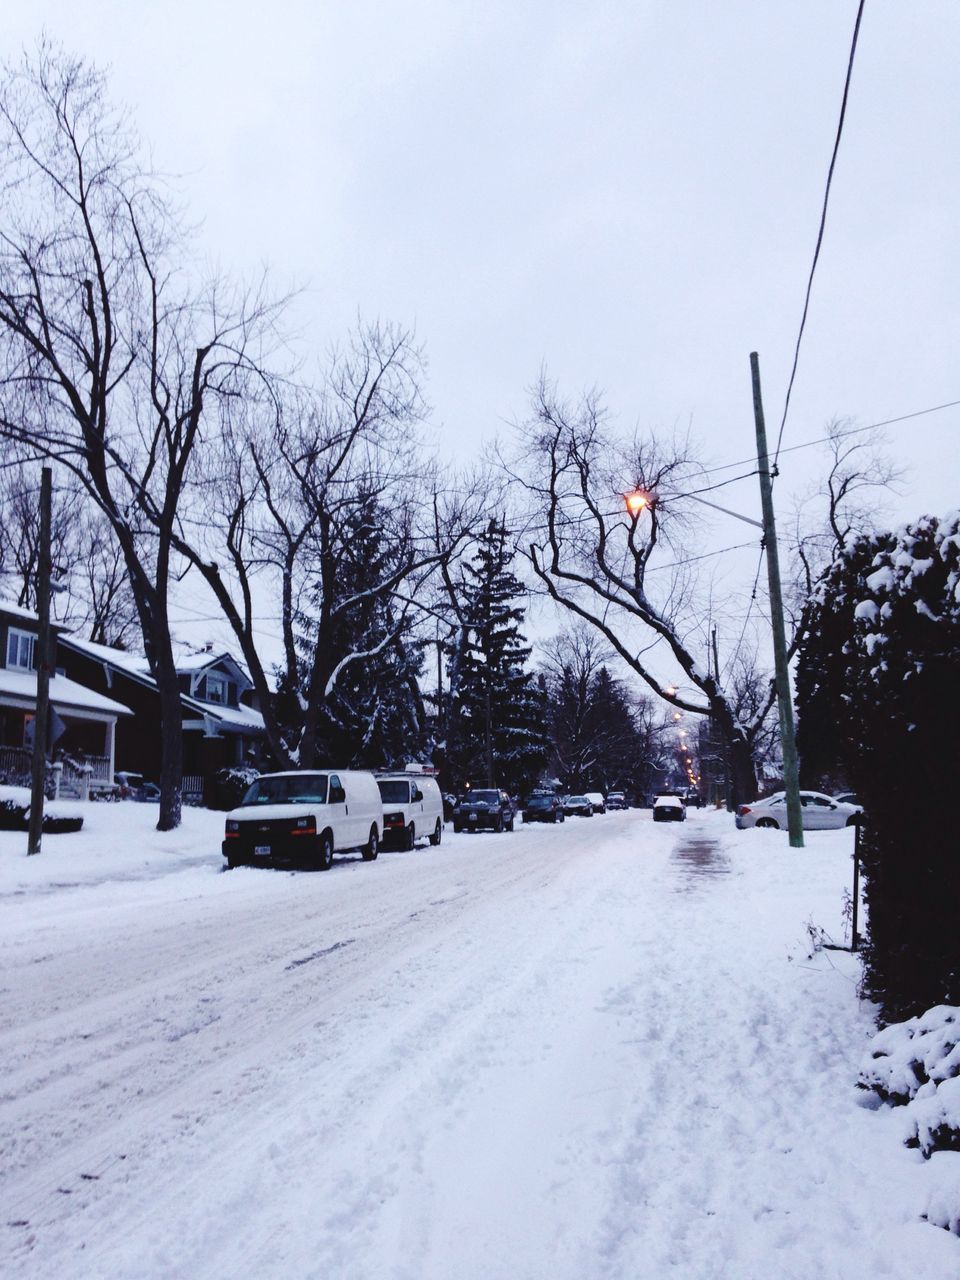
(791, 773)
(42, 659)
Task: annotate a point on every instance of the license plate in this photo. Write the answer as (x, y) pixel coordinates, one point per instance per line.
(472, 817)
(262, 850)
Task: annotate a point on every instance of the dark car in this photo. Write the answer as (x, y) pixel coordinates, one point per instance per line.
(577, 806)
(484, 808)
(669, 808)
(616, 800)
(543, 806)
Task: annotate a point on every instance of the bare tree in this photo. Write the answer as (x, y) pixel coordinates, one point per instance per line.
(600, 561)
(109, 360)
(303, 480)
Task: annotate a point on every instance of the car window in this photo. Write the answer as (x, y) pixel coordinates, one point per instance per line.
(394, 791)
(306, 788)
(485, 797)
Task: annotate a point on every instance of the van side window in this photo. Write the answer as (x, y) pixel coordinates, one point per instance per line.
(417, 793)
(337, 793)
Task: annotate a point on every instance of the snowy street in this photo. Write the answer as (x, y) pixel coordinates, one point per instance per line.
(595, 1050)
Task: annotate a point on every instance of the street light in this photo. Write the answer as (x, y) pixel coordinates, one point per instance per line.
(638, 500)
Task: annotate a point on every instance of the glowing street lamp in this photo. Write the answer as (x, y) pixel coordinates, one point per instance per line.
(638, 501)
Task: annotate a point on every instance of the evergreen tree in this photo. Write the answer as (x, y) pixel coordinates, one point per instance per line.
(882, 658)
(373, 715)
(496, 732)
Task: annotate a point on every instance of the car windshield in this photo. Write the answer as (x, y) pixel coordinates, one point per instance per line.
(540, 802)
(483, 797)
(288, 788)
(394, 792)
(578, 800)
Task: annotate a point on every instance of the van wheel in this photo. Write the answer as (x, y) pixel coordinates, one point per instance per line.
(325, 856)
(410, 837)
(372, 847)
(456, 828)
(498, 823)
(437, 833)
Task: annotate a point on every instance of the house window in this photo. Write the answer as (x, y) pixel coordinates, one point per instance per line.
(21, 646)
(217, 688)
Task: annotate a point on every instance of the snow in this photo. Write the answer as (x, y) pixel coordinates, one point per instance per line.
(867, 611)
(65, 695)
(602, 1051)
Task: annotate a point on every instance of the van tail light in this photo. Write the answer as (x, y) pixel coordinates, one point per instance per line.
(742, 809)
(305, 827)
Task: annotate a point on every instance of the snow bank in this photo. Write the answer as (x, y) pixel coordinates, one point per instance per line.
(943, 1199)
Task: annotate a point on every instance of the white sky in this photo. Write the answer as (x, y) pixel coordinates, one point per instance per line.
(627, 192)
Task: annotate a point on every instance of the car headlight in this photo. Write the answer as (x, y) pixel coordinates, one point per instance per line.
(232, 825)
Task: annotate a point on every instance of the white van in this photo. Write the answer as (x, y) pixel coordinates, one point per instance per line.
(305, 818)
(412, 807)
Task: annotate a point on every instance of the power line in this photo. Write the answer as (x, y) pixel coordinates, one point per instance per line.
(823, 223)
(837, 435)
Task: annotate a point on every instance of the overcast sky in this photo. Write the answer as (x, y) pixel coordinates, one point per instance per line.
(626, 192)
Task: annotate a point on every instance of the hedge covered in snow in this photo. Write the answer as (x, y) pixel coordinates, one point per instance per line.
(879, 683)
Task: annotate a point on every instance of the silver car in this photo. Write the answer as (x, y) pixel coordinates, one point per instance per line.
(819, 812)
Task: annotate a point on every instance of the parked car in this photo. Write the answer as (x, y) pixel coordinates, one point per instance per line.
(692, 800)
(617, 800)
(304, 818)
(412, 806)
(484, 807)
(819, 812)
(134, 786)
(543, 806)
(849, 798)
(669, 808)
(597, 800)
(577, 806)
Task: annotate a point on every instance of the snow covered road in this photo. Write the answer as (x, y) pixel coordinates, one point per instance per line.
(597, 1050)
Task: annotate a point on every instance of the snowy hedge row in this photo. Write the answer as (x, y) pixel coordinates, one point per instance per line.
(916, 1064)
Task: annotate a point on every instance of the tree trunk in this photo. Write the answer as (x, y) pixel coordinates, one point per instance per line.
(171, 743)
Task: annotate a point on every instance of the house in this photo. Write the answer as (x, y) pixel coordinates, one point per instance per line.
(83, 722)
(221, 727)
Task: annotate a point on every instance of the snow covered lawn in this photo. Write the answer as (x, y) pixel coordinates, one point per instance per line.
(595, 1050)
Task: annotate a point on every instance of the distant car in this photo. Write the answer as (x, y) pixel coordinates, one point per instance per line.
(669, 808)
(484, 807)
(543, 806)
(597, 800)
(133, 786)
(616, 800)
(818, 812)
(578, 806)
(692, 800)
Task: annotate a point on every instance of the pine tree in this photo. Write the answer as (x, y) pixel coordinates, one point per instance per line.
(496, 735)
(373, 715)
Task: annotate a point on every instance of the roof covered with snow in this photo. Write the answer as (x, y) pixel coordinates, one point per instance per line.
(65, 695)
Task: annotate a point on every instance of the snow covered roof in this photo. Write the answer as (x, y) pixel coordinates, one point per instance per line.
(65, 695)
(26, 615)
(135, 666)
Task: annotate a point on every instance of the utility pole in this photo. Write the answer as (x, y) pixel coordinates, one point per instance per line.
(791, 775)
(38, 776)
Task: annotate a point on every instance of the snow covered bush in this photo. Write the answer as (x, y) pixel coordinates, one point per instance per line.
(917, 1063)
(905, 1056)
(230, 785)
(877, 680)
(934, 1118)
